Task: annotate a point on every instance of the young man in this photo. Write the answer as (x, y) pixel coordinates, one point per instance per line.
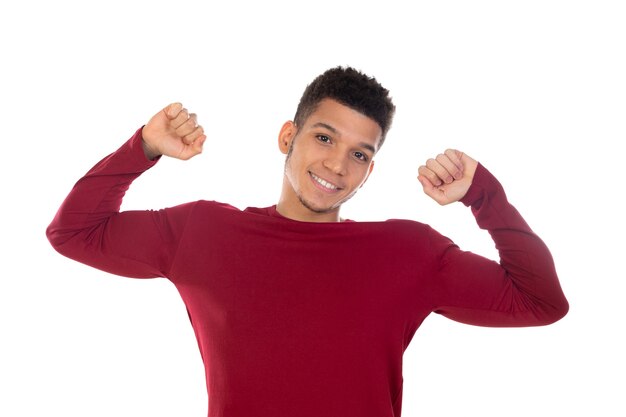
(298, 312)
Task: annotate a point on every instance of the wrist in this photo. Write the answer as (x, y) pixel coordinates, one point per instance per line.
(148, 150)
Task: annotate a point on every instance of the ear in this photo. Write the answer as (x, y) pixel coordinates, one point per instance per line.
(369, 171)
(286, 135)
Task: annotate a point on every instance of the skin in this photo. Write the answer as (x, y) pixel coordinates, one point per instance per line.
(336, 145)
(328, 158)
(173, 132)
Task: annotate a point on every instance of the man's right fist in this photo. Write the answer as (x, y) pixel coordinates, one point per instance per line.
(173, 132)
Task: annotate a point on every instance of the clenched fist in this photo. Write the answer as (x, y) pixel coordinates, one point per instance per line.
(173, 132)
(447, 177)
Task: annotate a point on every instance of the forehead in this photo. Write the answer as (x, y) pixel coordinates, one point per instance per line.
(346, 122)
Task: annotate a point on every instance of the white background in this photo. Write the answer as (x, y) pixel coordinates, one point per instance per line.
(535, 90)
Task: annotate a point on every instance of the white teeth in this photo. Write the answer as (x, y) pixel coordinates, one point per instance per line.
(323, 183)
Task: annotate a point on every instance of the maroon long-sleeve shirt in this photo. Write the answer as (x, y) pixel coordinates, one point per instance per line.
(308, 319)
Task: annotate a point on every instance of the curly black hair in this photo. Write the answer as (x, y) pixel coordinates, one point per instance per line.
(351, 88)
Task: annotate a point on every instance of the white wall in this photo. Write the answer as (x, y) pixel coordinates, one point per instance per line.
(535, 90)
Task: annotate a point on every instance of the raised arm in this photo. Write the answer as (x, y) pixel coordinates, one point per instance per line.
(523, 288)
(88, 226)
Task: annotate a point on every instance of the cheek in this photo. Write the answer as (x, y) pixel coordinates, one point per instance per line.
(296, 160)
(364, 173)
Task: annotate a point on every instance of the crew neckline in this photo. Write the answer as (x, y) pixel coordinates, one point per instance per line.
(273, 212)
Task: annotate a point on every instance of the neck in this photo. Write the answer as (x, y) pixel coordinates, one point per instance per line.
(306, 215)
(291, 207)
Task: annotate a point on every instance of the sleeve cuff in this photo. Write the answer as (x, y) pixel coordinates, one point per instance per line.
(135, 144)
(475, 192)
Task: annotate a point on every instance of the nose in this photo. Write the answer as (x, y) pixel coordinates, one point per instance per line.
(335, 163)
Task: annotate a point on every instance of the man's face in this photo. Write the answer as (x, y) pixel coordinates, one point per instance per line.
(328, 158)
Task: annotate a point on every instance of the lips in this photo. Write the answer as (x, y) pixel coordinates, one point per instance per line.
(323, 184)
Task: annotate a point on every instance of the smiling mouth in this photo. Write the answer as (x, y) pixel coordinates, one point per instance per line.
(327, 186)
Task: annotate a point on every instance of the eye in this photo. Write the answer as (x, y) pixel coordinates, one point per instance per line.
(323, 138)
(360, 156)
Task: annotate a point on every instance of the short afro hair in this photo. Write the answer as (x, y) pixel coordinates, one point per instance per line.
(351, 88)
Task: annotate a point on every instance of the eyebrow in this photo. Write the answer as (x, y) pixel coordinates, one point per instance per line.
(335, 131)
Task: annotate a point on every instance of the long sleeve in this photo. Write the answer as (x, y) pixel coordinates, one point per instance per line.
(89, 228)
(521, 290)
(300, 318)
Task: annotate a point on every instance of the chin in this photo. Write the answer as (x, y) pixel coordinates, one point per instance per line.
(318, 209)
